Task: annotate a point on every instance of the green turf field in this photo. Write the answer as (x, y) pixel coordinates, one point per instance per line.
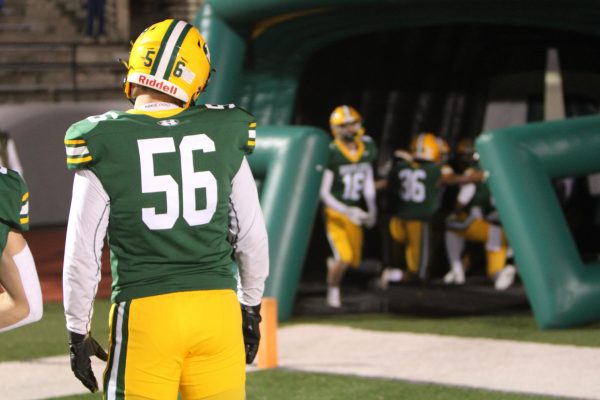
(48, 337)
(281, 384)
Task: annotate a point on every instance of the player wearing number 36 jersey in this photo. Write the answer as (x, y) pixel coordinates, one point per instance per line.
(416, 187)
(168, 184)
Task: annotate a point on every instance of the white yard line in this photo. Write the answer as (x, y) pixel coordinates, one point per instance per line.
(42, 378)
(480, 363)
(502, 365)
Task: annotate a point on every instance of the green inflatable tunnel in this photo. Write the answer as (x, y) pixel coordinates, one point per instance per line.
(288, 162)
(259, 50)
(562, 290)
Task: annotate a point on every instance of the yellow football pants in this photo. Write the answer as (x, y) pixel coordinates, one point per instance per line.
(496, 245)
(345, 238)
(187, 342)
(414, 235)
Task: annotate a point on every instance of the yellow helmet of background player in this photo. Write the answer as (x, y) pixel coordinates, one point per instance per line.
(444, 150)
(172, 57)
(345, 118)
(426, 146)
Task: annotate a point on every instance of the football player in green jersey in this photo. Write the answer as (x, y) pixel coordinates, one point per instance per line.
(21, 301)
(9, 157)
(348, 195)
(416, 183)
(475, 219)
(168, 184)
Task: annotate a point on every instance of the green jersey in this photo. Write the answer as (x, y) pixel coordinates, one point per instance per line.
(14, 204)
(482, 197)
(169, 182)
(350, 170)
(415, 188)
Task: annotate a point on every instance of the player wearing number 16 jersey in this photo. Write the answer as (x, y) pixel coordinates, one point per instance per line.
(168, 184)
(348, 195)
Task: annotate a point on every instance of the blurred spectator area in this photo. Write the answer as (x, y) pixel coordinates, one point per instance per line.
(43, 56)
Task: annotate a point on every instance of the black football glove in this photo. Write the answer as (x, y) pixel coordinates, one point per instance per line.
(81, 348)
(250, 327)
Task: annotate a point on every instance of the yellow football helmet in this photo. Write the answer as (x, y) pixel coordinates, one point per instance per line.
(444, 149)
(172, 57)
(346, 120)
(426, 146)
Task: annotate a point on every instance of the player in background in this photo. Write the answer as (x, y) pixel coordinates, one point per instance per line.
(21, 301)
(348, 195)
(392, 253)
(9, 157)
(168, 184)
(475, 219)
(416, 183)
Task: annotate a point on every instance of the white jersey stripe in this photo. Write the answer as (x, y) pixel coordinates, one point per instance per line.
(25, 209)
(111, 391)
(77, 151)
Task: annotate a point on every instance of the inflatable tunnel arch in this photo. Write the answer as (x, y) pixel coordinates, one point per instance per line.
(260, 48)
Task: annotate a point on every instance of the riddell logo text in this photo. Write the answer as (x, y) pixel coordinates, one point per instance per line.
(153, 83)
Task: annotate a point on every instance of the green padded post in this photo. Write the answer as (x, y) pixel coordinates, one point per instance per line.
(227, 51)
(289, 162)
(562, 290)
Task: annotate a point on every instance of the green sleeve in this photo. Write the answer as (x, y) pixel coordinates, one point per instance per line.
(24, 212)
(248, 134)
(251, 138)
(14, 204)
(78, 155)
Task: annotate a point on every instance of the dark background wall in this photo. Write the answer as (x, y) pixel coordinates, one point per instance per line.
(38, 130)
(453, 80)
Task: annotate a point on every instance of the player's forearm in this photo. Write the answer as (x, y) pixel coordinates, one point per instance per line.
(21, 303)
(469, 176)
(78, 298)
(18, 315)
(249, 236)
(81, 276)
(252, 255)
(325, 193)
(11, 312)
(254, 270)
(13, 302)
(88, 220)
(31, 285)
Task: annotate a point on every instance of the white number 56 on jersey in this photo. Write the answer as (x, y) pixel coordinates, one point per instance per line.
(190, 181)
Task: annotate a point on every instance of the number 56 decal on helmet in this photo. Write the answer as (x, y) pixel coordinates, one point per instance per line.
(165, 58)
